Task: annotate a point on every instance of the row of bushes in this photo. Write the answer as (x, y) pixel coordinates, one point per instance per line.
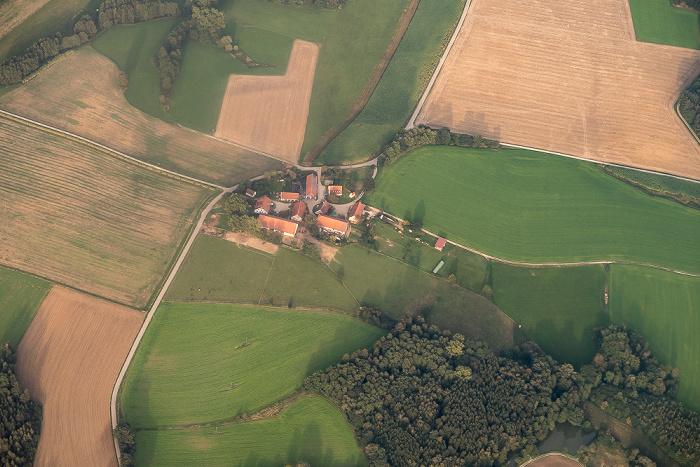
(111, 12)
(320, 4)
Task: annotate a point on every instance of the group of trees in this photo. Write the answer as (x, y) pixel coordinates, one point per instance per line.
(111, 12)
(423, 396)
(240, 219)
(694, 4)
(20, 418)
(689, 105)
(321, 4)
(406, 140)
(127, 443)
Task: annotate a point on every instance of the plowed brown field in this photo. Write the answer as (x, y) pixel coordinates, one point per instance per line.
(268, 113)
(567, 77)
(69, 359)
(80, 94)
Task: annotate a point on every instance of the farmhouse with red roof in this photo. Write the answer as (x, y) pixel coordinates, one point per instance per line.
(298, 211)
(263, 205)
(335, 190)
(355, 213)
(332, 225)
(289, 196)
(311, 189)
(278, 224)
(440, 244)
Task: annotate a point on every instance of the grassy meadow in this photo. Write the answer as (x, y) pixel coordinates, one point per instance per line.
(352, 42)
(547, 208)
(194, 367)
(660, 22)
(310, 430)
(557, 307)
(665, 308)
(20, 296)
(401, 85)
(205, 68)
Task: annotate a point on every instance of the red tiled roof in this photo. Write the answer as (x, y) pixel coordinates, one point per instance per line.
(440, 244)
(263, 202)
(311, 188)
(299, 209)
(279, 224)
(332, 223)
(335, 190)
(356, 210)
(289, 195)
(324, 207)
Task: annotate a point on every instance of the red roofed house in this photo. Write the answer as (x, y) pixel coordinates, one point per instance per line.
(335, 190)
(288, 196)
(298, 211)
(263, 205)
(440, 244)
(355, 213)
(287, 227)
(324, 207)
(333, 225)
(311, 189)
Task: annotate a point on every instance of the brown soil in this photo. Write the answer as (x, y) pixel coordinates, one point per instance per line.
(14, 12)
(80, 94)
(268, 113)
(81, 217)
(570, 78)
(554, 460)
(251, 242)
(69, 359)
(369, 88)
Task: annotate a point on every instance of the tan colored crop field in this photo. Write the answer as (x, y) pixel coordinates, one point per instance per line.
(268, 113)
(82, 217)
(567, 77)
(80, 94)
(14, 12)
(69, 359)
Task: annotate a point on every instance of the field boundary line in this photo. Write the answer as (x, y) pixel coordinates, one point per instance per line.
(269, 273)
(552, 264)
(411, 123)
(149, 317)
(685, 122)
(113, 152)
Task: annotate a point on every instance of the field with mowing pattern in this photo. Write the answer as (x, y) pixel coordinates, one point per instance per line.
(194, 367)
(533, 207)
(665, 308)
(310, 430)
(20, 296)
(401, 85)
(82, 217)
(80, 94)
(558, 307)
(660, 22)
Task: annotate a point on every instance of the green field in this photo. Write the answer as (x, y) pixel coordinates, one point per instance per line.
(401, 85)
(397, 288)
(659, 182)
(310, 430)
(20, 296)
(188, 370)
(217, 270)
(546, 208)
(202, 81)
(665, 308)
(557, 307)
(660, 22)
(352, 42)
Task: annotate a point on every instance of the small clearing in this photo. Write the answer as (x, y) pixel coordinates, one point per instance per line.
(68, 360)
(251, 242)
(569, 78)
(269, 113)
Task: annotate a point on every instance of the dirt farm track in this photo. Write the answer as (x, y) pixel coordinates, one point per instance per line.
(69, 359)
(570, 78)
(268, 113)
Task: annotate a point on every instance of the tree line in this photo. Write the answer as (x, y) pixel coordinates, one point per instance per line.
(689, 105)
(406, 140)
(20, 418)
(322, 4)
(422, 396)
(110, 13)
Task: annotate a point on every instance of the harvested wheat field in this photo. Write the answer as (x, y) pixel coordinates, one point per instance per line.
(69, 359)
(570, 78)
(268, 113)
(81, 217)
(80, 94)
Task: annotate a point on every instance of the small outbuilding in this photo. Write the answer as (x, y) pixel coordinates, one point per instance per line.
(440, 244)
(250, 193)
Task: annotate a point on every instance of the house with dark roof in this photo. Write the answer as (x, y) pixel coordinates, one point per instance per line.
(263, 205)
(440, 244)
(289, 196)
(298, 211)
(250, 193)
(285, 226)
(332, 225)
(355, 213)
(311, 188)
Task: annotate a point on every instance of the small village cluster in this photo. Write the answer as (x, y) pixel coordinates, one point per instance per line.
(288, 227)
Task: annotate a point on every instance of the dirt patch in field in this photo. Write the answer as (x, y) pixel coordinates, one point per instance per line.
(567, 77)
(69, 359)
(251, 242)
(80, 94)
(268, 113)
(14, 12)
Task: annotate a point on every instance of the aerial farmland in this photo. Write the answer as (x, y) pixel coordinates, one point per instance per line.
(349, 232)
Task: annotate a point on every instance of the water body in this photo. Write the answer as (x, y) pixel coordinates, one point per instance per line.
(565, 435)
